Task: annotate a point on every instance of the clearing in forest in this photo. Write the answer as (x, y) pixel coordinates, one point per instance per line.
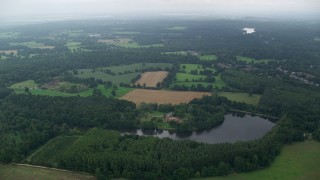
(151, 79)
(33, 45)
(162, 97)
(242, 97)
(126, 43)
(249, 60)
(8, 52)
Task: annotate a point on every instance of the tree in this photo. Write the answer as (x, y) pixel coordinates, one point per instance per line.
(113, 92)
(99, 174)
(26, 90)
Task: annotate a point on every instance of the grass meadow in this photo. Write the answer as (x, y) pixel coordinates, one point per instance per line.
(184, 77)
(34, 90)
(127, 43)
(241, 97)
(252, 60)
(10, 172)
(296, 161)
(123, 74)
(33, 45)
(211, 57)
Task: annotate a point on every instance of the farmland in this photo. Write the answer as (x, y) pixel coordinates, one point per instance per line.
(190, 67)
(162, 97)
(204, 57)
(115, 79)
(120, 74)
(151, 79)
(9, 52)
(211, 57)
(126, 43)
(126, 32)
(296, 161)
(33, 45)
(177, 28)
(6, 35)
(71, 33)
(9, 172)
(55, 91)
(3, 57)
(252, 60)
(241, 97)
(74, 46)
(190, 77)
(185, 77)
(178, 53)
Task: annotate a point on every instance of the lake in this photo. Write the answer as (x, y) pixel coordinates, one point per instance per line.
(234, 128)
(249, 30)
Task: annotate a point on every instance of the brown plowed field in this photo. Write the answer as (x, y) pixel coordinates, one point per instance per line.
(162, 97)
(152, 78)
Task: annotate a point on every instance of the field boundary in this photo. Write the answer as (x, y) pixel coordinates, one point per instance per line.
(49, 168)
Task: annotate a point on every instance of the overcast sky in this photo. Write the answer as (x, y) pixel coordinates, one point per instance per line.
(31, 8)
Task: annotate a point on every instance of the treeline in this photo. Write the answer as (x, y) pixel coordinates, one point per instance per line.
(199, 114)
(28, 121)
(111, 155)
(43, 67)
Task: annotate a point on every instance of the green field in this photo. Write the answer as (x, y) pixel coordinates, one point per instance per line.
(34, 90)
(117, 79)
(252, 60)
(178, 53)
(73, 46)
(241, 97)
(73, 33)
(126, 32)
(136, 45)
(189, 67)
(107, 92)
(189, 84)
(219, 82)
(158, 119)
(33, 45)
(136, 67)
(296, 161)
(184, 77)
(211, 57)
(177, 28)
(127, 72)
(127, 43)
(5, 35)
(3, 57)
(13, 172)
(29, 84)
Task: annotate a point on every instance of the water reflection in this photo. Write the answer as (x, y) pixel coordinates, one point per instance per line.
(236, 127)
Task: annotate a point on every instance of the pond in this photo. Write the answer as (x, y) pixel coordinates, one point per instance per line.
(234, 128)
(249, 30)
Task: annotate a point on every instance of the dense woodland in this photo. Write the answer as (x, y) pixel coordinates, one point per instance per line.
(82, 129)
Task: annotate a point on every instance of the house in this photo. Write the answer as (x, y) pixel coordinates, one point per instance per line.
(169, 117)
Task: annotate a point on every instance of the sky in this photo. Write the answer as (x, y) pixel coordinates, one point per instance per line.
(55, 8)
